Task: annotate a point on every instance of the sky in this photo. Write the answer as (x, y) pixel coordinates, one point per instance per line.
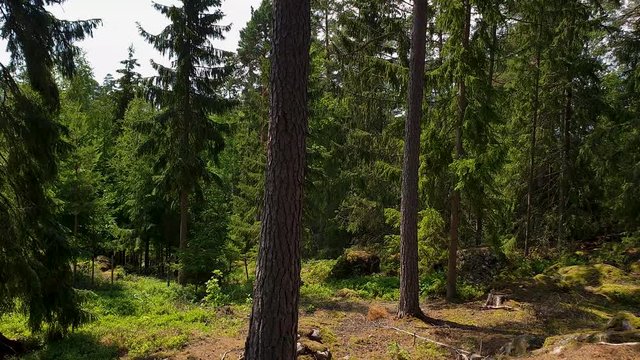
(110, 41)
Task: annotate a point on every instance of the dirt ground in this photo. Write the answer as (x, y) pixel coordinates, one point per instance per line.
(350, 333)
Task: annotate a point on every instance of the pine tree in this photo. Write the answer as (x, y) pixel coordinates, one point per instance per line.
(409, 286)
(188, 93)
(278, 269)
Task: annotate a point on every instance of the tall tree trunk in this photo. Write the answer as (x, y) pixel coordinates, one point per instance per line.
(113, 264)
(184, 217)
(564, 171)
(75, 256)
(93, 267)
(479, 226)
(492, 60)
(168, 265)
(274, 319)
(455, 197)
(532, 155)
(246, 267)
(147, 260)
(409, 286)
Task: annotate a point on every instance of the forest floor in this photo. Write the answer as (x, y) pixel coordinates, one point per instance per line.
(356, 329)
(142, 318)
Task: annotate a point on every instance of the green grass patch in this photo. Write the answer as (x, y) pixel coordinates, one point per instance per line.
(136, 317)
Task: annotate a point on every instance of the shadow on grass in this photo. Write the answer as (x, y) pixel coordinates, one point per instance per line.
(77, 346)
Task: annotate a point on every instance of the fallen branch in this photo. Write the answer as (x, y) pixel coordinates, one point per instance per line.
(461, 353)
(225, 355)
(620, 344)
(491, 307)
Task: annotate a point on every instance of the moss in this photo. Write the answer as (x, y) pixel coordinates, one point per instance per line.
(623, 320)
(312, 345)
(426, 350)
(590, 275)
(627, 294)
(635, 268)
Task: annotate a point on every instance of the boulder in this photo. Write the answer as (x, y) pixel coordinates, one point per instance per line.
(10, 348)
(356, 262)
(103, 262)
(521, 345)
(479, 265)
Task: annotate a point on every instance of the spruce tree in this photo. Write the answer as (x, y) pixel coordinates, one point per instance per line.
(34, 251)
(188, 93)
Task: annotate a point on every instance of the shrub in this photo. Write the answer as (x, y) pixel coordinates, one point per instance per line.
(215, 296)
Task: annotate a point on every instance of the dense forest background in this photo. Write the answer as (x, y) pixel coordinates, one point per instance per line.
(547, 159)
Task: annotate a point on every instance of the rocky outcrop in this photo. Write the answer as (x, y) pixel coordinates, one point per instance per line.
(356, 262)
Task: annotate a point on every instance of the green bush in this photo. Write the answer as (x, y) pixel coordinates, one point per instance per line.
(434, 284)
(214, 294)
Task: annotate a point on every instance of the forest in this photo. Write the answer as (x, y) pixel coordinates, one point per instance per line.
(360, 179)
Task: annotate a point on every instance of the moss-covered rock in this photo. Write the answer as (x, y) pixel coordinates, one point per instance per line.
(624, 293)
(621, 321)
(356, 262)
(590, 275)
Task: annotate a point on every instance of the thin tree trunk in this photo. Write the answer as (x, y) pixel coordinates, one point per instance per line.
(75, 256)
(147, 260)
(492, 60)
(246, 267)
(564, 176)
(409, 286)
(93, 267)
(274, 319)
(455, 198)
(479, 226)
(113, 264)
(168, 265)
(184, 217)
(532, 156)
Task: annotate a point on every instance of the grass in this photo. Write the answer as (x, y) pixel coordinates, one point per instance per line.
(136, 317)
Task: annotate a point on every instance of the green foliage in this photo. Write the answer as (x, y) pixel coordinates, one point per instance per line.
(34, 253)
(214, 294)
(434, 285)
(137, 317)
(396, 352)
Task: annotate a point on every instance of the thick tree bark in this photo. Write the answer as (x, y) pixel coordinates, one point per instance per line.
(184, 217)
(409, 286)
(455, 197)
(274, 319)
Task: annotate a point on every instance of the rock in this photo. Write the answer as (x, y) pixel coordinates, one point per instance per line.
(356, 262)
(314, 335)
(520, 345)
(10, 348)
(619, 322)
(103, 262)
(308, 349)
(620, 337)
(479, 265)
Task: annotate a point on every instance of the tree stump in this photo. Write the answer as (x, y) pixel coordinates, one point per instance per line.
(496, 301)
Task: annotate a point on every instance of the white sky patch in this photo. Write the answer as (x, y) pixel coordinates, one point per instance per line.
(110, 41)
